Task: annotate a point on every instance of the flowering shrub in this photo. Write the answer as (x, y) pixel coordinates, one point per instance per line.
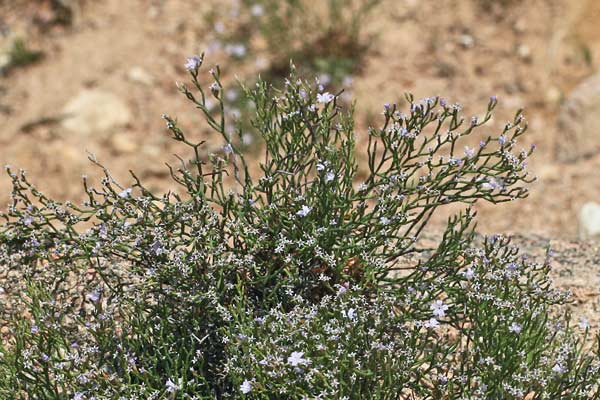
(289, 277)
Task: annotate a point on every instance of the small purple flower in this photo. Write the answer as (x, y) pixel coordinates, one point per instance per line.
(34, 329)
(493, 99)
(193, 63)
(502, 140)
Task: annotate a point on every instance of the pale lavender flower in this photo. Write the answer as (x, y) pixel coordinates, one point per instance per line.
(329, 177)
(228, 148)
(78, 396)
(514, 327)
(94, 296)
(193, 63)
(296, 358)
(469, 152)
(303, 212)
(384, 220)
(246, 387)
(469, 273)
(125, 193)
(34, 329)
(432, 323)
(438, 308)
(325, 97)
(584, 323)
(502, 140)
(172, 387)
(558, 369)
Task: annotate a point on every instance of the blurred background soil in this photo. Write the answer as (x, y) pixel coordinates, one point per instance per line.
(96, 76)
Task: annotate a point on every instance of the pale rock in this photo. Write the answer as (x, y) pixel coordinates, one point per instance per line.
(524, 52)
(140, 75)
(589, 221)
(553, 95)
(95, 112)
(466, 41)
(579, 122)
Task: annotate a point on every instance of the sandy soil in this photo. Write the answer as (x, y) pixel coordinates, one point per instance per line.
(529, 53)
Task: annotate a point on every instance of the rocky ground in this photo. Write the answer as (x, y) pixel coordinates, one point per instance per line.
(108, 71)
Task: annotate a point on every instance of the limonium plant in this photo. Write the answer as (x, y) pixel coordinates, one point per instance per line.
(301, 275)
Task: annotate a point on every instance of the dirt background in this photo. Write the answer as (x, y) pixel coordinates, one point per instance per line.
(530, 54)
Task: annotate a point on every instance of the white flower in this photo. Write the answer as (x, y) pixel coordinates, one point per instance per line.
(171, 386)
(432, 323)
(303, 212)
(384, 220)
(296, 359)
(329, 177)
(325, 97)
(469, 273)
(125, 193)
(584, 323)
(491, 184)
(438, 308)
(516, 328)
(246, 386)
(320, 167)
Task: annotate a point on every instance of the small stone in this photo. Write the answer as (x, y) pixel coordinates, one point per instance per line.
(589, 221)
(95, 111)
(466, 41)
(140, 75)
(524, 52)
(123, 143)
